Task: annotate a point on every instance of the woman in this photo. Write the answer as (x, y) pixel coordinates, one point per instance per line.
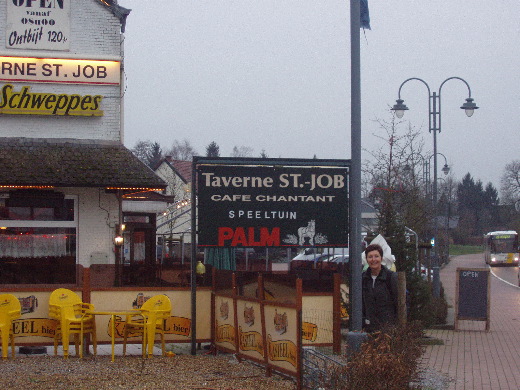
(379, 286)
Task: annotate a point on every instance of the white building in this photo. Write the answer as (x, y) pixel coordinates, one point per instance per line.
(64, 170)
(174, 222)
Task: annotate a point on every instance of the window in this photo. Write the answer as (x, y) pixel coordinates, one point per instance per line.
(64, 211)
(37, 237)
(136, 219)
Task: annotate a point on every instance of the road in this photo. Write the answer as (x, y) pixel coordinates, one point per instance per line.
(506, 274)
(472, 358)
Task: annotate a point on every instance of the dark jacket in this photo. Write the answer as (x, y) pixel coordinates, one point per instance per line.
(380, 301)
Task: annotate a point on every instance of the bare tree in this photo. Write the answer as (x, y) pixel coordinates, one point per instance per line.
(398, 164)
(393, 177)
(181, 150)
(148, 152)
(142, 150)
(242, 151)
(510, 183)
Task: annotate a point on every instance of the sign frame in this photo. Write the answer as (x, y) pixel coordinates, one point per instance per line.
(475, 292)
(247, 202)
(84, 71)
(39, 26)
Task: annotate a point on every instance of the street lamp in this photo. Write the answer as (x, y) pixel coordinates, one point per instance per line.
(434, 125)
(426, 170)
(445, 169)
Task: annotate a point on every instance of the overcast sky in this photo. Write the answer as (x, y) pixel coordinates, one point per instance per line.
(274, 75)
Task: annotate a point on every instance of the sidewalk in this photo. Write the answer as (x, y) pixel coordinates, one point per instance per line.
(472, 358)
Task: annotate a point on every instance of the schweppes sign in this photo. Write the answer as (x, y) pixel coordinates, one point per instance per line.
(26, 102)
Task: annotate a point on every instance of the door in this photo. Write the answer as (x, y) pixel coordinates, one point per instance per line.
(139, 260)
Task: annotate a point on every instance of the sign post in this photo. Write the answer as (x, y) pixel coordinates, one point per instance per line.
(268, 202)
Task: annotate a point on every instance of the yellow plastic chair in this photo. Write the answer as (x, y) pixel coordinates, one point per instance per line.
(66, 307)
(10, 310)
(150, 320)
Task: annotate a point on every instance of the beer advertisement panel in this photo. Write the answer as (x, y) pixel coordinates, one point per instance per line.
(250, 335)
(282, 336)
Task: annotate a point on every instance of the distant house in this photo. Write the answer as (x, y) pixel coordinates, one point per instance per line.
(174, 222)
(369, 217)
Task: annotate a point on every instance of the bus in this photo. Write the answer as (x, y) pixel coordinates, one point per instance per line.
(501, 248)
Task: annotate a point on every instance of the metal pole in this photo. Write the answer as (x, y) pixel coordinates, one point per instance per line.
(436, 287)
(355, 173)
(182, 248)
(119, 231)
(193, 273)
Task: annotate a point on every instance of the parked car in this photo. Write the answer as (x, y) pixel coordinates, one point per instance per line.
(320, 253)
(333, 262)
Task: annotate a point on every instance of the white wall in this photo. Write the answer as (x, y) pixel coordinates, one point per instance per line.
(97, 220)
(177, 188)
(95, 34)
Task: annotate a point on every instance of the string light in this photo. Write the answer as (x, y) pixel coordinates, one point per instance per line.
(176, 206)
(135, 189)
(18, 187)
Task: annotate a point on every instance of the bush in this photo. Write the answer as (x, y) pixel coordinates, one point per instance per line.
(423, 306)
(388, 360)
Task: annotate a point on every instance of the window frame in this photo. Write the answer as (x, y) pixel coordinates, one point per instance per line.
(9, 223)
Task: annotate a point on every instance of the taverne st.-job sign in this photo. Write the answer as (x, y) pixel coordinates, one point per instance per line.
(272, 202)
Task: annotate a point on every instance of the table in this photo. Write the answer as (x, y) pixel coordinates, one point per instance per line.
(112, 314)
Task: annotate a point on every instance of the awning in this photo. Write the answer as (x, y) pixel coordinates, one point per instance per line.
(146, 202)
(34, 162)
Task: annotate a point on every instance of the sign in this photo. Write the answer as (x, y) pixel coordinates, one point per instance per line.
(224, 322)
(503, 236)
(250, 335)
(279, 206)
(54, 70)
(41, 327)
(29, 103)
(38, 24)
(472, 295)
(283, 335)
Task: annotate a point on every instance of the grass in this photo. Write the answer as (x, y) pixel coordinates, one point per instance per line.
(456, 250)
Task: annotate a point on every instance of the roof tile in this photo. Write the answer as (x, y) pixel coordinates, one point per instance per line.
(72, 163)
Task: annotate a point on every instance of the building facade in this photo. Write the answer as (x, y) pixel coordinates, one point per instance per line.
(174, 223)
(64, 172)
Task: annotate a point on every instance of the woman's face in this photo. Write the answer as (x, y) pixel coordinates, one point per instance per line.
(374, 261)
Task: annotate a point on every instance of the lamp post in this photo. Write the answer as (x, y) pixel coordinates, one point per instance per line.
(445, 169)
(426, 170)
(434, 125)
